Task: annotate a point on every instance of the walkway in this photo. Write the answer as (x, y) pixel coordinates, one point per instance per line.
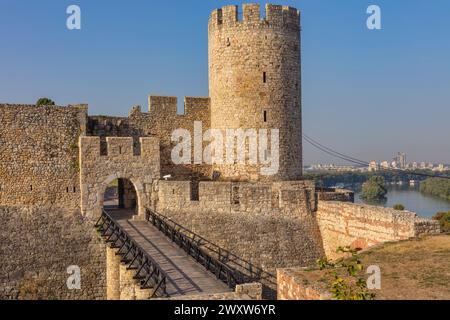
(185, 275)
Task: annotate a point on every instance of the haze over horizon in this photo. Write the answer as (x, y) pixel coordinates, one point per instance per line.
(368, 94)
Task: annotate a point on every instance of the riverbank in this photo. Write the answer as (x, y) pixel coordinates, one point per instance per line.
(409, 196)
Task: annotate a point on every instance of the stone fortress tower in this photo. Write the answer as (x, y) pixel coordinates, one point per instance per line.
(255, 82)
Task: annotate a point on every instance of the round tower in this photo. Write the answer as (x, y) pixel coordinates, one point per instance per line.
(254, 83)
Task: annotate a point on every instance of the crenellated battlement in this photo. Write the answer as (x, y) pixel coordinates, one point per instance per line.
(165, 106)
(196, 105)
(275, 16)
(289, 197)
(162, 104)
(118, 148)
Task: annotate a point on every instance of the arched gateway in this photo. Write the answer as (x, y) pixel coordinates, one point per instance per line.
(98, 171)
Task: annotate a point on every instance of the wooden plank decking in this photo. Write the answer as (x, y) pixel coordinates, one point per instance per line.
(185, 275)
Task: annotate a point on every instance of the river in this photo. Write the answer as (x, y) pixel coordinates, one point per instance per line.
(413, 200)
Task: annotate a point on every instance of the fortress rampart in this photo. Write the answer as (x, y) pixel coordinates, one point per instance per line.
(294, 199)
(269, 224)
(39, 154)
(362, 226)
(160, 121)
(38, 244)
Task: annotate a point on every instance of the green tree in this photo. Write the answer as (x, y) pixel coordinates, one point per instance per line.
(399, 207)
(45, 102)
(436, 187)
(374, 189)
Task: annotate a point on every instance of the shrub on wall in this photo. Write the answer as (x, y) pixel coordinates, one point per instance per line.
(45, 102)
(444, 220)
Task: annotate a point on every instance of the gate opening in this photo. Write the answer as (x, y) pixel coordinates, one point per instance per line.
(121, 195)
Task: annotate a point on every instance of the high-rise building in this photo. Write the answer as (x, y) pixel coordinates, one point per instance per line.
(400, 160)
(373, 166)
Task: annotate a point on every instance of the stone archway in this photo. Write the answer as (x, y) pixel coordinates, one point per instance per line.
(121, 194)
(141, 197)
(98, 171)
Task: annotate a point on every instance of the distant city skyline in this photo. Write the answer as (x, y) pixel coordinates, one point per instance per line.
(366, 93)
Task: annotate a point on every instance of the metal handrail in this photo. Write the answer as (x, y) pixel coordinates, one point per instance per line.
(148, 270)
(241, 270)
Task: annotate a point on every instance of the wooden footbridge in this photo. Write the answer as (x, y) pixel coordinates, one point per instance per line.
(173, 261)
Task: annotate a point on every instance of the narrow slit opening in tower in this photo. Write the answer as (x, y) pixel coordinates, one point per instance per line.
(264, 77)
(265, 116)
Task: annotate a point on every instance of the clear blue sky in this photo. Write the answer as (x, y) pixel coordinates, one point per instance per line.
(365, 93)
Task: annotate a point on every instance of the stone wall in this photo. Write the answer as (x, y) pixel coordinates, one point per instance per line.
(38, 244)
(292, 198)
(361, 226)
(249, 291)
(98, 171)
(39, 154)
(292, 285)
(160, 121)
(271, 225)
(331, 194)
(255, 82)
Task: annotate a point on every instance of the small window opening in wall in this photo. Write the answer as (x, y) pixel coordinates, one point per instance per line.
(265, 116)
(235, 196)
(173, 191)
(120, 150)
(195, 192)
(31, 188)
(228, 42)
(74, 189)
(67, 190)
(264, 77)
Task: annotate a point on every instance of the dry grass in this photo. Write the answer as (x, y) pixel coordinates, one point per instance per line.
(410, 270)
(413, 270)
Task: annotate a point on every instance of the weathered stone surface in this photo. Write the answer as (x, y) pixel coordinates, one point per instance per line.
(271, 225)
(361, 226)
(251, 291)
(292, 285)
(160, 121)
(341, 195)
(254, 82)
(98, 171)
(38, 244)
(39, 154)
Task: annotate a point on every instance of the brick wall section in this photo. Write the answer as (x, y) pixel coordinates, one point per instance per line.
(270, 225)
(39, 155)
(293, 286)
(361, 226)
(38, 244)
